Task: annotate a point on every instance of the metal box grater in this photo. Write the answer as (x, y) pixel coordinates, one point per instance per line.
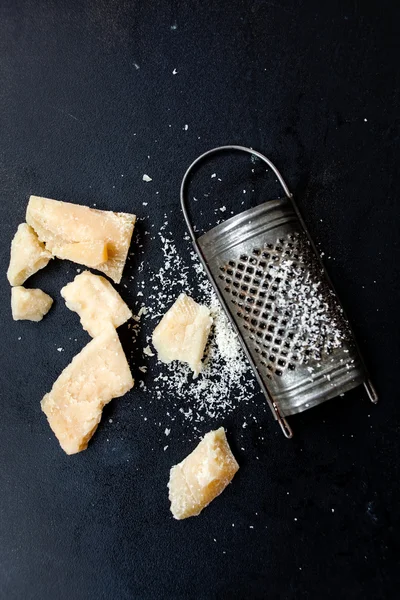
(276, 293)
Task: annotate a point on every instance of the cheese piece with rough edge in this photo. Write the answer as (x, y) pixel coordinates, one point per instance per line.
(99, 373)
(96, 302)
(91, 254)
(60, 223)
(202, 475)
(183, 332)
(28, 255)
(29, 304)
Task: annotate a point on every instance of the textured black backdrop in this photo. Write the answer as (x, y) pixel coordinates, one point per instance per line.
(314, 85)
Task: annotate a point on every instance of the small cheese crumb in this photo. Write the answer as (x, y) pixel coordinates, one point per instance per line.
(29, 304)
(147, 351)
(147, 178)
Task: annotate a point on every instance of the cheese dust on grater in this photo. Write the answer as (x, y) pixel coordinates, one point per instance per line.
(226, 379)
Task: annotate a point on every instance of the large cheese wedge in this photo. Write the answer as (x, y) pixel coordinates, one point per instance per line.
(96, 302)
(99, 373)
(28, 255)
(61, 225)
(182, 333)
(202, 475)
(30, 305)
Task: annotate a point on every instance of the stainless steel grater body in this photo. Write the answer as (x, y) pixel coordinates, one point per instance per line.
(285, 309)
(280, 301)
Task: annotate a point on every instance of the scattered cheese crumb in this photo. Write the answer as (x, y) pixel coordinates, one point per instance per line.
(29, 304)
(147, 178)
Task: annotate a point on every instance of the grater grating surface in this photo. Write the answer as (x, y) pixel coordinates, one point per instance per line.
(292, 316)
(280, 301)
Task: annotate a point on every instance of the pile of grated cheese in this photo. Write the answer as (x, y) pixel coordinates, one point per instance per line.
(226, 379)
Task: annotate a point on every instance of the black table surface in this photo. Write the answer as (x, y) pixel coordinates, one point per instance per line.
(90, 90)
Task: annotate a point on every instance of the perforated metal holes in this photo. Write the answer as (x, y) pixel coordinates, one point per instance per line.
(281, 300)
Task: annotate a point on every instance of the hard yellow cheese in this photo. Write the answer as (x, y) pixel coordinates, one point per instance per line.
(62, 224)
(96, 302)
(202, 475)
(182, 333)
(99, 373)
(90, 254)
(28, 255)
(29, 304)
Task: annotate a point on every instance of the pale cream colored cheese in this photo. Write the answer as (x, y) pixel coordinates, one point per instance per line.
(90, 254)
(29, 304)
(28, 255)
(60, 225)
(96, 302)
(183, 332)
(99, 373)
(202, 475)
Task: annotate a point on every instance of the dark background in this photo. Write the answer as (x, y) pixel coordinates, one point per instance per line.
(313, 85)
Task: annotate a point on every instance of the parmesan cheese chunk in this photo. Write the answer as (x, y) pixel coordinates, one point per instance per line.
(99, 373)
(61, 225)
(90, 254)
(96, 302)
(182, 333)
(28, 255)
(29, 305)
(202, 475)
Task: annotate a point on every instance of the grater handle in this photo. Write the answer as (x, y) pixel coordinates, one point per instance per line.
(286, 429)
(215, 151)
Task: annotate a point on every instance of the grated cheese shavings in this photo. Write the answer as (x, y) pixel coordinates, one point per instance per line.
(226, 380)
